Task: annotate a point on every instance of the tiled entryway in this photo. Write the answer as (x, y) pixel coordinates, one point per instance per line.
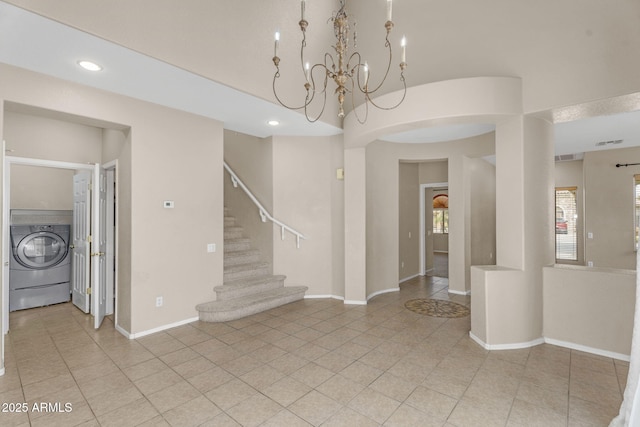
(313, 362)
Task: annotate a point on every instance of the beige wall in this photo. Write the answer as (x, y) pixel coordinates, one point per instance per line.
(167, 155)
(113, 141)
(409, 220)
(33, 136)
(590, 307)
(382, 196)
(309, 197)
(483, 212)
(609, 208)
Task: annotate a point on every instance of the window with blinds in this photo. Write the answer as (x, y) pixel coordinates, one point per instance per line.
(566, 217)
(441, 221)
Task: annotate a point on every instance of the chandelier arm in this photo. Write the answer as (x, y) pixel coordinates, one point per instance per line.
(366, 105)
(386, 74)
(353, 72)
(312, 79)
(327, 55)
(303, 45)
(404, 94)
(275, 93)
(324, 104)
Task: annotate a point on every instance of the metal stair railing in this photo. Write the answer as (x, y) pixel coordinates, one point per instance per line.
(264, 214)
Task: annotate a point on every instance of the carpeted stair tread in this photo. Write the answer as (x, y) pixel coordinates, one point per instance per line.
(233, 272)
(222, 311)
(248, 286)
(251, 280)
(241, 257)
(238, 244)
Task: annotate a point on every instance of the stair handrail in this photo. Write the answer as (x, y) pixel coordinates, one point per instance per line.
(264, 214)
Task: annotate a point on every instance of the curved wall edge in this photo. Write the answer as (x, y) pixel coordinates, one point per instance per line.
(468, 100)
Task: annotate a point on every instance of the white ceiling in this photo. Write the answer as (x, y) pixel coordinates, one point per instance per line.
(33, 42)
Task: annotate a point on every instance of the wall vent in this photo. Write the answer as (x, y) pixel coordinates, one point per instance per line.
(569, 157)
(612, 142)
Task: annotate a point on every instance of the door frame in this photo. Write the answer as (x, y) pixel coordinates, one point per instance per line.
(6, 250)
(111, 169)
(423, 226)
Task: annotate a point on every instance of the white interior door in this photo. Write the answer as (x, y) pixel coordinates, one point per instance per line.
(80, 270)
(99, 247)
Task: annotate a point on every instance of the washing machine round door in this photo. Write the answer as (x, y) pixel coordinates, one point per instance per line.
(41, 250)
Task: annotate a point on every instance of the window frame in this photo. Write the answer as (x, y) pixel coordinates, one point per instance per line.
(576, 240)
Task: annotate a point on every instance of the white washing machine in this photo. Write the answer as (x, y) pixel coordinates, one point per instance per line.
(40, 264)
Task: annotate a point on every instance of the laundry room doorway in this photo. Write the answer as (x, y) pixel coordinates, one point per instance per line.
(92, 246)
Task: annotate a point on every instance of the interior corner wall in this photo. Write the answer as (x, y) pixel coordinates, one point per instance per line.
(409, 220)
(251, 158)
(609, 207)
(483, 212)
(113, 140)
(308, 197)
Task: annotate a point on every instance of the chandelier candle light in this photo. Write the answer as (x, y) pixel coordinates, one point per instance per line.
(344, 70)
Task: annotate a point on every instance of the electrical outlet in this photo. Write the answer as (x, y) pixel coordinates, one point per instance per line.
(159, 301)
(590, 264)
(211, 247)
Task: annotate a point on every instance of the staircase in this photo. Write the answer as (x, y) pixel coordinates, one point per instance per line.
(248, 287)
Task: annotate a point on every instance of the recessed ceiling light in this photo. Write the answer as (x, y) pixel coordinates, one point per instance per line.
(273, 123)
(90, 66)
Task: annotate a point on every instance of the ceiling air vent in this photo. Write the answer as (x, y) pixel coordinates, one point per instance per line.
(569, 157)
(612, 142)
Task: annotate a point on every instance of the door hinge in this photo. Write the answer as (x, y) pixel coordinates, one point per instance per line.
(89, 290)
(89, 238)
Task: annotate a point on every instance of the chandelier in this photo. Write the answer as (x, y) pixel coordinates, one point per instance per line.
(348, 72)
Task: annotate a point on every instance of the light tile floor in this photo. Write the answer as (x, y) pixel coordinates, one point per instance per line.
(313, 362)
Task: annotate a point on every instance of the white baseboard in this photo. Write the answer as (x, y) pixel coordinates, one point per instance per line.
(154, 330)
(384, 291)
(409, 278)
(514, 346)
(338, 297)
(460, 292)
(586, 349)
(559, 343)
(355, 302)
(122, 331)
